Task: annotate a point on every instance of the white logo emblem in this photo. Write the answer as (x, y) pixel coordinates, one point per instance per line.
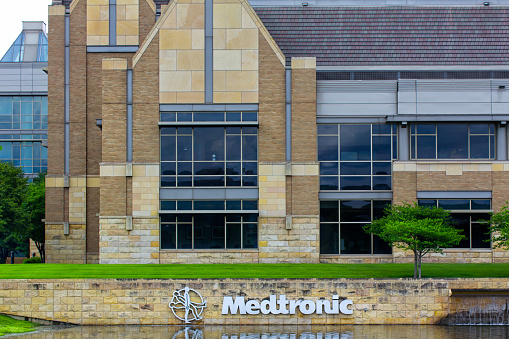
(187, 305)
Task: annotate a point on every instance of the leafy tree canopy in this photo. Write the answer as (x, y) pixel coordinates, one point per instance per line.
(416, 228)
(13, 188)
(499, 227)
(34, 207)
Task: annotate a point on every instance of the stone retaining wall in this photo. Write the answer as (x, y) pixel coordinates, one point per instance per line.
(131, 301)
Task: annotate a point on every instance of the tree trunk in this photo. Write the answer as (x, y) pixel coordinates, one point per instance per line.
(4, 253)
(415, 264)
(42, 252)
(420, 261)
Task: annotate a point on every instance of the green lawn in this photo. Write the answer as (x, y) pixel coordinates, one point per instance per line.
(67, 271)
(9, 325)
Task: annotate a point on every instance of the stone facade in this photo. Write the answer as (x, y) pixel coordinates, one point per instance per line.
(145, 302)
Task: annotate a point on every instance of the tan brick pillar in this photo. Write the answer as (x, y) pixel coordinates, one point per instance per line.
(113, 192)
(65, 240)
(302, 177)
(271, 156)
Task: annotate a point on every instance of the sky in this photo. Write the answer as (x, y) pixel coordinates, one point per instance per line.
(13, 13)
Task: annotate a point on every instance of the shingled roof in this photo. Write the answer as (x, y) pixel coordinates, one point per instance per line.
(357, 36)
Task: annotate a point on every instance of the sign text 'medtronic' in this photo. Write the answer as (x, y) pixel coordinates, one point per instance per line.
(284, 306)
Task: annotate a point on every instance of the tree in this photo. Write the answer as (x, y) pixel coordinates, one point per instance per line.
(34, 207)
(13, 186)
(416, 228)
(499, 227)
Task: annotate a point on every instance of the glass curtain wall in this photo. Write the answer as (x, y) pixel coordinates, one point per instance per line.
(20, 115)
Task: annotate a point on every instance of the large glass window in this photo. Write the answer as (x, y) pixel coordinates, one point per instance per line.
(467, 215)
(341, 225)
(453, 141)
(356, 157)
(23, 151)
(23, 113)
(209, 231)
(209, 156)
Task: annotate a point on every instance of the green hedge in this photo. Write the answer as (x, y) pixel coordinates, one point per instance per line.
(33, 260)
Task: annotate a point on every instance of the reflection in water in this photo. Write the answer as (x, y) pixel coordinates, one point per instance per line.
(274, 332)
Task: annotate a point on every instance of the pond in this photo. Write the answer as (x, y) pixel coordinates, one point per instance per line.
(272, 332)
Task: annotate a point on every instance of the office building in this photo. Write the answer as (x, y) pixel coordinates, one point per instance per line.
(228, 131)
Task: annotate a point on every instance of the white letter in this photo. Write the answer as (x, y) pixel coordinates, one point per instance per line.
(282, 302)
(239, 305)
(266, 306)
(344, 306)
(319, 306)
(307, 307)
(252, 307)
(335, 305)
(293, 305)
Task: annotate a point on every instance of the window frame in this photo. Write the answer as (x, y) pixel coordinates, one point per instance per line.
(492, 141)
(470, 212)
(393, 150)
(225, 214)
(193, 162)
(361, 223)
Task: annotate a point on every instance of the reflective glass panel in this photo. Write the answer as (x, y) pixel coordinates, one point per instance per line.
(233, 236)
(355, 210)
(329, 238)
(356, 183)
(452, 141)
(329, 183)
(168, 236)
(329, 211)
(354, 240)
(355, 142)
(355, 168)
(249, 235)
(327, 148)
(454, 204)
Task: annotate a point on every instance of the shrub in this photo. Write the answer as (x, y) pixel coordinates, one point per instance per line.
(33, 260)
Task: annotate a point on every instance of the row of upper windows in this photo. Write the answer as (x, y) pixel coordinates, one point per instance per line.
(25, 113)
(351, 156)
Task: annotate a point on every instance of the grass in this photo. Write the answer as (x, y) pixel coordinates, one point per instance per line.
(9, 325)
(211, 271)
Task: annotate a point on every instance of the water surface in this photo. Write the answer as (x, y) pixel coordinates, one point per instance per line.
(273, 332)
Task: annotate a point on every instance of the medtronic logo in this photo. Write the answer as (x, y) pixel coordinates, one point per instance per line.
(187, 305)
(284, 306)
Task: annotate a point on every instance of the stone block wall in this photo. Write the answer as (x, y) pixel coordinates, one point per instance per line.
(298, 244)
(65, 248)
(118, 245)
(204, 257)
(143, 301)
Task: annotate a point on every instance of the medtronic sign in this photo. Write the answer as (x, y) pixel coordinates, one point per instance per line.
(284, 306)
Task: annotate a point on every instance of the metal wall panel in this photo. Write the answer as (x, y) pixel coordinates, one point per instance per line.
(356, 98)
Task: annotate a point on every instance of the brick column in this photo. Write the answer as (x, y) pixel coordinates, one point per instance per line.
(65, 238)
